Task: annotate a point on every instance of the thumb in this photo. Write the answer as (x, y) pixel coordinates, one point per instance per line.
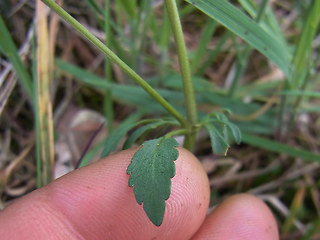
(95, 202)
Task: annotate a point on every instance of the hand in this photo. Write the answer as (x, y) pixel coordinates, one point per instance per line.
(95, 202)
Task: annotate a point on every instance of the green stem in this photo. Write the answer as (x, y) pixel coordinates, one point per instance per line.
(185, 71)
(176, 133)
(108, 103)
(113, 57)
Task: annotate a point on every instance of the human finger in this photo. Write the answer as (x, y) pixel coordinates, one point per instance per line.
(95, 202)
(241, 216)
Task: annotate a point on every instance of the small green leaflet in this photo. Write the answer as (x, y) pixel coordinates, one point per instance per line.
(151, 170)
(218, 142)
(221, 131)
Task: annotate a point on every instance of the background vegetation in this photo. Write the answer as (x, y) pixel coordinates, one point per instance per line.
(57, 91)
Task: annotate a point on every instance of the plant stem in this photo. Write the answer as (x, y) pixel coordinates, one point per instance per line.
(108, 103)
(176, 132)
(185, 71)
(113, 57)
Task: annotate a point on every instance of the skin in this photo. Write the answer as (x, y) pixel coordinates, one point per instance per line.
(95, 202)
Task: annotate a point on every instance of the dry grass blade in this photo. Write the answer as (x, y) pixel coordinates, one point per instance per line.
(296, 205)
(281, 208)
(13, 164)
(43, 94)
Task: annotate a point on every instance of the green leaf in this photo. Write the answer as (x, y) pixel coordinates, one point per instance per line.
(235, 131)
(128, 94)
(136, 134)
(302, 60)
(9, 49)
(278, 147)
(129, 7)
(218, 142)
(240, 24)
(218, 120)
(151, 170)
(113, 140)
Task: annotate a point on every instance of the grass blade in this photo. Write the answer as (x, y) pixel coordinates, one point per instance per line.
(213, 54)
(43, 94)
(242, 62)
(113, 57)
(9, 49)
(113, 139)
(303, 56)
(202, 46)
(108, 102)
(237, 22)
(148, 127)
(279, 147)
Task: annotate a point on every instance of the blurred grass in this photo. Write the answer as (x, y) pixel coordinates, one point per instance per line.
(237, 22)
(43, 95)
(9, 49)
(108, 102)
(139, 33)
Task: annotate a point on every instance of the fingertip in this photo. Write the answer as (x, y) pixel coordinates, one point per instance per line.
(104, 205)
(241, 216)
(95, 202)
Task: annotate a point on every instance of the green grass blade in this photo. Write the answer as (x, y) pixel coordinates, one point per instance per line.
(279, 147)
(213, 54)
(302, 93)
(203, 43)
(274, 26)
(303, 56)
(95, 7)
(113, 57)
(129, 7)
(148, 127)
(87, 158)
(313, 230)
(164, 33)
(113, 139)
(9, 49)
(237, 22)
(242, 61)
(128, 94)
(108, 102)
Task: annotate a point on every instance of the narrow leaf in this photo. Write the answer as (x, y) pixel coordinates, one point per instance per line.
(236, 133)
(240, 24)
(151, 170)
(136, 134)
(278, 147)
(218, 143)
(303, 55)
(9, 49)
(113, 140)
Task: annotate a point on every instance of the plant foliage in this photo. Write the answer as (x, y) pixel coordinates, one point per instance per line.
(221, 131)
(151, 170)
(237, 22)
